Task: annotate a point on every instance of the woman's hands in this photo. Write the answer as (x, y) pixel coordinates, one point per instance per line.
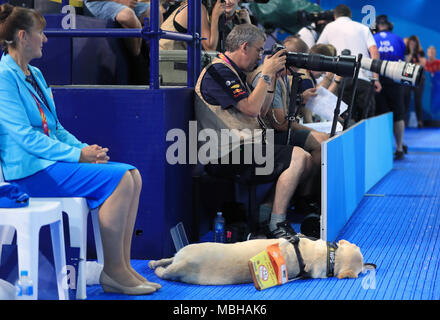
(94, 154)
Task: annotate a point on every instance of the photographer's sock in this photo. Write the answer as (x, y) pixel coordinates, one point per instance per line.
(275, 219)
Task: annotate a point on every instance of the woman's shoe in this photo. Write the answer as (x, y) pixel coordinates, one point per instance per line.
(110, 285)
(153, 284)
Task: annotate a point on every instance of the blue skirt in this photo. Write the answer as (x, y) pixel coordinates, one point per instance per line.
(95, 182)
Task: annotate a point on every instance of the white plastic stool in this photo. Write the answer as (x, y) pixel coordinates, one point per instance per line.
(27, 222)
(77, 211)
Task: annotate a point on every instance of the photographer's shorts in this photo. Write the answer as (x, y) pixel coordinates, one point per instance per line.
(108, 10)
(364, 103)
(281, 158)
(391, 98)
(298, 138)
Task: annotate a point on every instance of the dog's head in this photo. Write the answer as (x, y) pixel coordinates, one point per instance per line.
(349, 259)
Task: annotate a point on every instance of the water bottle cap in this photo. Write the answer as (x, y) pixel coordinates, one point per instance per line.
(24, 273)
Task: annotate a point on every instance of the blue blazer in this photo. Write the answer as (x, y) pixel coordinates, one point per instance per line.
(24, 148)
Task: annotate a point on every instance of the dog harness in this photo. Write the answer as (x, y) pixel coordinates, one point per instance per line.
(331, 254)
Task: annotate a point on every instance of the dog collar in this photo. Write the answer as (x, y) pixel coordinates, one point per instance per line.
(331, 258)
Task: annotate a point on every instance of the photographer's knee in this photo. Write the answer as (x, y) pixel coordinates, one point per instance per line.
(299, 158)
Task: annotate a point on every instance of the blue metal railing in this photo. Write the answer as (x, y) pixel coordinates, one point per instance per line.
(153, 34)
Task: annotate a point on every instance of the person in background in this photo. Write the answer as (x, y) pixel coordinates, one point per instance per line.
(391, 48)
(177, 21)
(415, 54)
(129, 14)
(432, 63)
(232, 16)
(310, 34)
(344, 33)
(218, 19)
(45, 160)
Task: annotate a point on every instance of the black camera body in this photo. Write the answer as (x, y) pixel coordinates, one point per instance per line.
(305, 18)
(343, 66)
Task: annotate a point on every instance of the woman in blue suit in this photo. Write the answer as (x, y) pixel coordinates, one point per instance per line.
(45, 160)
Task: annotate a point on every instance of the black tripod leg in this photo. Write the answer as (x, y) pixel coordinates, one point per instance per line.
(355, 84)
(338, 108)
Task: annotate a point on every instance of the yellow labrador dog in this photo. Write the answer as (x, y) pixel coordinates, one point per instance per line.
(218, 264)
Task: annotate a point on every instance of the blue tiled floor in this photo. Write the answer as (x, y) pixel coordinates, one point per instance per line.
(397, 230)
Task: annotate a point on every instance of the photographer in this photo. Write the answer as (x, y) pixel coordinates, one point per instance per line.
(233, 15)
(302, 136)
(391, 98)
(344, 33)
(311, 33)
(223, 101)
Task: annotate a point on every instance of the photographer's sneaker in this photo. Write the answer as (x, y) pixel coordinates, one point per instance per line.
(283, 230)
(399, 155)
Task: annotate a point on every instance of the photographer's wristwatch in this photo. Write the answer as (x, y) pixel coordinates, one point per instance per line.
(267, 79)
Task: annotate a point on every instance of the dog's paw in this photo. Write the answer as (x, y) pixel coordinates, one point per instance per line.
(152, 264)
(159, 272)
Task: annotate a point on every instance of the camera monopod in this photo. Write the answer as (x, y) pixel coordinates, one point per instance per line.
(338, 107)
(294, 103)
(355, 85)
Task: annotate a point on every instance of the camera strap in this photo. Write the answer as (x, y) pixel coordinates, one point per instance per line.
(294, 99)
(218, 78)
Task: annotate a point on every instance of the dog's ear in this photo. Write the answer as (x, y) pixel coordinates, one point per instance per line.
(347, 274)
(341, 242)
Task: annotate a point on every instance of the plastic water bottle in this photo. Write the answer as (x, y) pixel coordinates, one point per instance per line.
(219, 228)
(24, 286)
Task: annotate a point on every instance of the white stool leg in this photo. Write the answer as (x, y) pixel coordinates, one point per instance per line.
(6, 236)
(97, 236)
(81, 292)
(59, 255)
(27, 247)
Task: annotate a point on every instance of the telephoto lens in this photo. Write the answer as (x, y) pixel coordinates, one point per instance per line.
(343, 66)
(399, 71)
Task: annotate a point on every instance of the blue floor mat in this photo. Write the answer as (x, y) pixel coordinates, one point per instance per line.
(397, 227)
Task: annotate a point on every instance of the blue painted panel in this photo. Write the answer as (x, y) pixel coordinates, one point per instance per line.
(56, 61)
(356, 161)
(378, 149)
(133, 123)
(101, 61)
(345, 177)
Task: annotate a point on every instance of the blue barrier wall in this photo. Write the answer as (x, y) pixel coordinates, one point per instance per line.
(133, 124)
(353, 162)
(378, 149)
